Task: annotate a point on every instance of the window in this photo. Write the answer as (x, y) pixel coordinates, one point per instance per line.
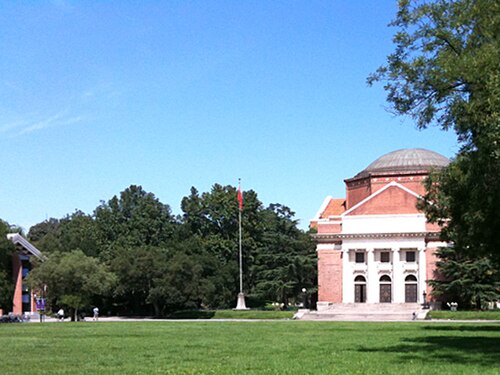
(360, 257)
(385, 279)
(411, 278)
(385, 257)
(410, 256)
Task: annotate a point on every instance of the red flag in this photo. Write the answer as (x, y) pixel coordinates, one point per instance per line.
(240, 197)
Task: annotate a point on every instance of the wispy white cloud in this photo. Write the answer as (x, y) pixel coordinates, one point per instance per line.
(26, 126)
(76, 109)
(57, 120)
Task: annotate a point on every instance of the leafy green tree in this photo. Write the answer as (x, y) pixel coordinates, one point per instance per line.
(39, 231)
(72, 279)
(136, 218)
(78, 231)
(136, 269)
(154, 280)
(6, 277)
(162, 264)
(470, 281)
(445, 71)
(46, 236)
(285, 261)
(73, 232)
(213, 218)
(182, 286)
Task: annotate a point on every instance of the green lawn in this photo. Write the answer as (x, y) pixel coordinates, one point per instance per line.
(282, 347)
(232, 314)
(465, 315)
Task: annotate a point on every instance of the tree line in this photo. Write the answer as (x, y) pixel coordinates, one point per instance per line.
(133, 256)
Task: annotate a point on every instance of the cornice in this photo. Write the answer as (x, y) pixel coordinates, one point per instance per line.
(322, 238)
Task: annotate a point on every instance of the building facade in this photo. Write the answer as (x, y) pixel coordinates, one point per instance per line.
(375, 245)
(23, 301)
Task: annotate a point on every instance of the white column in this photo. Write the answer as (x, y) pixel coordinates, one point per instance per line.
(347, 282)
(421, 274)
(372, 279)
(397, 277)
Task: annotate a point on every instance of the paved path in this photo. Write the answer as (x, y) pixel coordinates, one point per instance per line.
(149, 319)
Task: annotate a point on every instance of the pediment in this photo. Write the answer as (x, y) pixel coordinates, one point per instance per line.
(393, 199)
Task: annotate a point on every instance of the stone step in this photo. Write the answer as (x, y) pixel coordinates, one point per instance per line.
(359, 317)
(366, 312)
(372, 307)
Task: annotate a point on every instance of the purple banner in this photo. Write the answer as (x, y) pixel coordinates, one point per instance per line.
(40, 303)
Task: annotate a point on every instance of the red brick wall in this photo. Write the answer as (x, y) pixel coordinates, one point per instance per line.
(393, 200)
(329, 276)
(17, 307)
(412, 182)
(329, 228)
(356, 191)
(430, 264)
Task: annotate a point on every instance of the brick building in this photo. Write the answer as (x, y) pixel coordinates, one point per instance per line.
(23, 300)
(374, 245)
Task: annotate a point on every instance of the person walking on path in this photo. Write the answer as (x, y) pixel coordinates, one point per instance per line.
(96, 313)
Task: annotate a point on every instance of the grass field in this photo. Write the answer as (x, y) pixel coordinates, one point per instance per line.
(232, 314)
(466, 315)
(282, 347)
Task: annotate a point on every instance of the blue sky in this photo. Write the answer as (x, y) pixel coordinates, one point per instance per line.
(96, 96)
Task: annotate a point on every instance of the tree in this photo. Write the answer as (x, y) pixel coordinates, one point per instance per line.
(469, 280)
(445, 71)
(6, 281)
(41, 230)
(136, 218)
(445, 66)
(73, 232)
(72, 279)
(213, 218)
(136, 269)
(183, 286)
(285, 261)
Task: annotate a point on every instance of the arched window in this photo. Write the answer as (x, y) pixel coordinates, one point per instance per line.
(360, 279)
(411, 278)
(385, 279)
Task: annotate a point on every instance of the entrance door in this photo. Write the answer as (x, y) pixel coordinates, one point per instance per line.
(360, 293)
(385, 293)
(410, 293)
(385, 289)
(411, 289)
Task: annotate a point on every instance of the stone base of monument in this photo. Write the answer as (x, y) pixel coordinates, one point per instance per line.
(240, 305)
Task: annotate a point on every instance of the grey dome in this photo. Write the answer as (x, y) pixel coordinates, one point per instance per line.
(406, 160)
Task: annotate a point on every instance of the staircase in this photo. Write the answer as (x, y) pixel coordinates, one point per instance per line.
(368, 312)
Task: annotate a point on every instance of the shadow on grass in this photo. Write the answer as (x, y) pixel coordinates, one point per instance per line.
(476, 350)
(192, 314)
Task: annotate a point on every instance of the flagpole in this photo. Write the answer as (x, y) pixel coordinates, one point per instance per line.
(240, 305)
(241, 256)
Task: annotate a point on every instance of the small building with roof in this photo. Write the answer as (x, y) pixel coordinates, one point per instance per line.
(23, 301)
(375, 245)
